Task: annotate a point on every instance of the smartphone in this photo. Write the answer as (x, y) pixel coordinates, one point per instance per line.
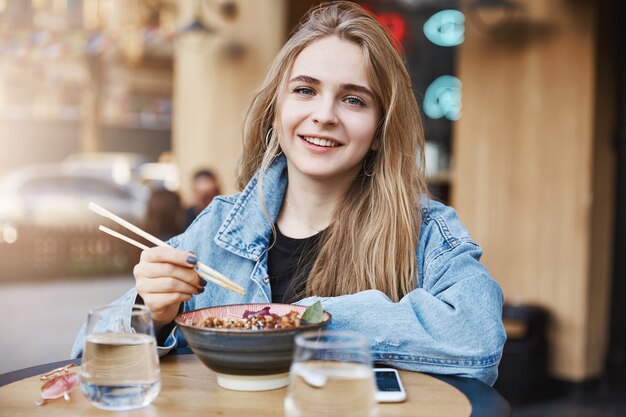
(389, 387)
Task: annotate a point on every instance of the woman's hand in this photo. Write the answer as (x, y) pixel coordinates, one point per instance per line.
(164, 278)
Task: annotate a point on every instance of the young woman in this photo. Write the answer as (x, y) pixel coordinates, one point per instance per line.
(334, 208)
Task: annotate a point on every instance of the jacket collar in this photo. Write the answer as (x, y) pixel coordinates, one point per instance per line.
(247, 231)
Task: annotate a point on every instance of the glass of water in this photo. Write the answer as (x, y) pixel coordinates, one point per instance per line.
(120, 366)
(331, 375)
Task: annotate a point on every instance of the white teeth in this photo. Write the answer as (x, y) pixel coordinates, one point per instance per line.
(320, 142)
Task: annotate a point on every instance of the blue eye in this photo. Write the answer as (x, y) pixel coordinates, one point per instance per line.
(354, 101)
(306, 91)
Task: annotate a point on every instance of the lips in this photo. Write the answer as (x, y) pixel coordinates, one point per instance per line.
(322, 142)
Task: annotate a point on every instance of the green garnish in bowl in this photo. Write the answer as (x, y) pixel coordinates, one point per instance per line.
(313, 314)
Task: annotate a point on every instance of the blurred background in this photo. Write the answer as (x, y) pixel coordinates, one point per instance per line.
(124, 102)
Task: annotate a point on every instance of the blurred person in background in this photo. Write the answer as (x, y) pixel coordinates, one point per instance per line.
(335, 209)
(164, 217)
(205, 186)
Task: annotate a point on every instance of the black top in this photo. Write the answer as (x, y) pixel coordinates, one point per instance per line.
(289, 262)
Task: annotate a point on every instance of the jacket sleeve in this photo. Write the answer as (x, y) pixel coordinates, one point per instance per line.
(128, 298)
(451, 325)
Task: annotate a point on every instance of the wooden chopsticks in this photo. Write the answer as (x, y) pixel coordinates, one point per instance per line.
(203, 270)
(122, 237)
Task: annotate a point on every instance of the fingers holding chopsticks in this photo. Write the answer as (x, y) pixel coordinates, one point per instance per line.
(164, 278)
(166, 261)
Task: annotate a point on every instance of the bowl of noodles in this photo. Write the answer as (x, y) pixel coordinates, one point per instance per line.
(248, 346)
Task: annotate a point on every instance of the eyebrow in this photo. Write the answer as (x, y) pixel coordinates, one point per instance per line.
(351, 87)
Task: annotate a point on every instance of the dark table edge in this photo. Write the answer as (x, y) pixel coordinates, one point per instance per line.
(485, 400)
(10, 377)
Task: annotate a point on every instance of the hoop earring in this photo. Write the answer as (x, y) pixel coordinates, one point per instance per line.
(368, 162)
(268, 136)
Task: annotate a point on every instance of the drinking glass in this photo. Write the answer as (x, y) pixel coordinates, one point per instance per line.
(331, 375)
(120, 366)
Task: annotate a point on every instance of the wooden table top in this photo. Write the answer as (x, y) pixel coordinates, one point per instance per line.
(188, 388)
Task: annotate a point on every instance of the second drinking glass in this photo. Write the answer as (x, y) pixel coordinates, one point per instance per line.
(331, 375)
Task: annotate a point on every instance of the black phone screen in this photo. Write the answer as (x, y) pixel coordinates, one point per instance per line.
(387, 381)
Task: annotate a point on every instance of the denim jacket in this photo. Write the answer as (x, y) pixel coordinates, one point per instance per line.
(450, 324)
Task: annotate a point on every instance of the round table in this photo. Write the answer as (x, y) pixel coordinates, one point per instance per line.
(190, 389)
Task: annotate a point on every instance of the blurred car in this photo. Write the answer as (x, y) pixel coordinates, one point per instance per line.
(53, 196)
(120, 167)
(124, 168)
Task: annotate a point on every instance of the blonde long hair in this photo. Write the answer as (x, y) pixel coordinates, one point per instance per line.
(372, 241)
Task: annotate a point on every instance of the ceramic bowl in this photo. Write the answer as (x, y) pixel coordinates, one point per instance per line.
(244, 360)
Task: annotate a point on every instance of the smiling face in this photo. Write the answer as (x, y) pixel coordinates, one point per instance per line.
(327, 113)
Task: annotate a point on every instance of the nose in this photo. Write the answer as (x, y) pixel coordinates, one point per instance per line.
(325, 112)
